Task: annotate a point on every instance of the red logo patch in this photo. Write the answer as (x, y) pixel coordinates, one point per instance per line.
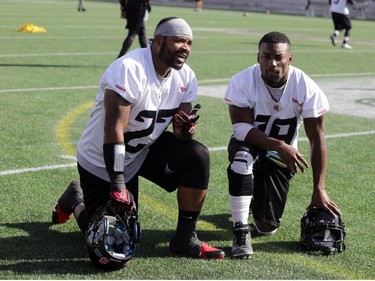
(103, 260)
(120, 88)
(297, 103)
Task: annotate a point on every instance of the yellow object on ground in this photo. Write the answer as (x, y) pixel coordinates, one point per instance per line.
(29, 27)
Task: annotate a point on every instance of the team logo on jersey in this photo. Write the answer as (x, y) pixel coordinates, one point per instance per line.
(182, 89)
(297, 103)
(120, 88)
(277, 106)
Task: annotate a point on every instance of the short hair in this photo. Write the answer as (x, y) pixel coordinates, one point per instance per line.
(274, 37)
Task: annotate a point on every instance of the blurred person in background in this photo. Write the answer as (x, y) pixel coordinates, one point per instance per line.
(341, 21)
(135, 12)
(198, 5)
(81, 6)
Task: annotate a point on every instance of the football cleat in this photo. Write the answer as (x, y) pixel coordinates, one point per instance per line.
(346, 46)
(190, 246)
(59, 216)
(242, 241)
(333, 40)
(63, 209)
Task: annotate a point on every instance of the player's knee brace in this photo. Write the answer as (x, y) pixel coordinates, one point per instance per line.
(242, 163)
(240, 174)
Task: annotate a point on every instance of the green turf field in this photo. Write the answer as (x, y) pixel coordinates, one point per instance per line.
(47, 85)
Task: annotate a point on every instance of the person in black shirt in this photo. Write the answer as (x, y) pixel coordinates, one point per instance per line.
(134, 12)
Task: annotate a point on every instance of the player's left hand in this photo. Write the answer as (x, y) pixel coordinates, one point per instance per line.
(320, 199)
(187, 123)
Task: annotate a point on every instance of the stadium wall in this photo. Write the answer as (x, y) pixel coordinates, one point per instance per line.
(317, 8)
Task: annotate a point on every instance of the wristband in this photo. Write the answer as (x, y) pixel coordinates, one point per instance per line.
(240, 130)
(114, 156)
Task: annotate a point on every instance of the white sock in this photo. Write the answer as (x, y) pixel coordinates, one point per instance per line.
(239, 206)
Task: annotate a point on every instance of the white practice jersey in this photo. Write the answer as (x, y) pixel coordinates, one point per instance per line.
(153, 106)
(301, 98)
(339, 6)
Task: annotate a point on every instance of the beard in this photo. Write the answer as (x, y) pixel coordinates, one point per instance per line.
(273, 78)
(172, 59)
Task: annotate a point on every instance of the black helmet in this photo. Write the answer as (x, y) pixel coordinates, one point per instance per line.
(320, 231)
(111, 238)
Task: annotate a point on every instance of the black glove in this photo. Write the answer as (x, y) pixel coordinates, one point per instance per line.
(187, 123)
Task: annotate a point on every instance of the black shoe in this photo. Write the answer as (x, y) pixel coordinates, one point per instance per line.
(188, 245)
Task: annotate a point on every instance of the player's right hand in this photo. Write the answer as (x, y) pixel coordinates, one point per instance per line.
(187, 123)
(122, 201)
(293, 159)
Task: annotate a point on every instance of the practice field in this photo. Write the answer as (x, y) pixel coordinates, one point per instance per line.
(48, 83)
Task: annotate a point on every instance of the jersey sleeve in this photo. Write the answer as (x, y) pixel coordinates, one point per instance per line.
(187, 84)
(316, 102)
(124, 80)
(237, 91)
(191, 89)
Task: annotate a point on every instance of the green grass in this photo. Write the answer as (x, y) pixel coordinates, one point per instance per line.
(47, 84)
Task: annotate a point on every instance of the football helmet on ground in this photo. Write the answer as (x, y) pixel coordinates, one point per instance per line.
(320, 231)
(111, 238)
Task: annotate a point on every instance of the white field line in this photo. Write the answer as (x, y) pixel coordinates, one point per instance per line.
(212, 149)
(67, 54)
(362, 74)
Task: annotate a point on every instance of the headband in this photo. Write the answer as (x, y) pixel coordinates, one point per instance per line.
(174, 27)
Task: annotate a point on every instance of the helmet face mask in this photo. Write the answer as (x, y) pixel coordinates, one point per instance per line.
(111, 239)
(320, 232)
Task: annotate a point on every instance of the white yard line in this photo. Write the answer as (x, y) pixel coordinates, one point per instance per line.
(354, 96)
(212, 149)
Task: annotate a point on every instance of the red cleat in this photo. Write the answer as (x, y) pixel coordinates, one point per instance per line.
(63, 209)
(188, 245)
(59, 216)
(208, 252)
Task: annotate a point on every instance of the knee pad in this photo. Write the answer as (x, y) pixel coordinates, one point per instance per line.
(242, 163)
(195, 159)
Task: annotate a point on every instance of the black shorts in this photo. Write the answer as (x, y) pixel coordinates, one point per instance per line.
(135, 14)
(271, 187)
(341, 21)
(169, 164)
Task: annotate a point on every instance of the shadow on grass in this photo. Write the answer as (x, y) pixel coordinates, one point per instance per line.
(260, 244)
(43, 249)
